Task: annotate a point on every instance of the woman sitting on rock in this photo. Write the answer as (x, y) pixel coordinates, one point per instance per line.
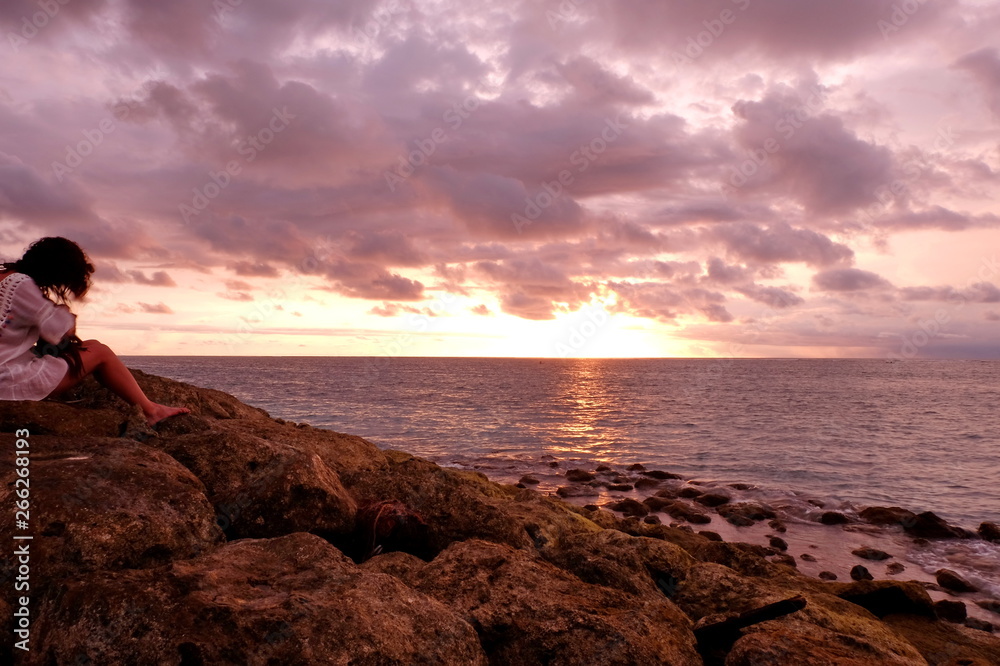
(30, 369)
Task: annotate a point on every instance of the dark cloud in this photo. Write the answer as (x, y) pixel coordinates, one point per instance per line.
(849, 279)
(771, 296)
(157, 279)
(984, 65)
(158, 308)
(779, 243)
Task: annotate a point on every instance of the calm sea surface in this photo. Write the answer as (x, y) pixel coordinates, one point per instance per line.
(918, 434)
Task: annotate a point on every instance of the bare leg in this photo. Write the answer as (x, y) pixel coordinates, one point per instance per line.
(112, 373)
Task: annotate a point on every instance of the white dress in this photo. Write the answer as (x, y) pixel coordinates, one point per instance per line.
(25, 316)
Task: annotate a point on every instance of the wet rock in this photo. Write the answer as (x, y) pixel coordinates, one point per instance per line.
(990, 531)
(778, 542)
(636, 468)
(743, 514)
(619, 487)
(981, 625)
(657, 503)
(895, 568)
(886, 597)
(740, 486)
(859, 572)
(660, 475)
(579, 476)
(291, 600)
(928, 525)
(887, 515)
(834, 518)
(827, 575)
(952, 611)
(777, 526)
(952, 582)
(806, 557)
(529, 480)
(603, 468)
(576, 491)
(786, 559)
(652, 520)
(992, 605)
(711, 536)
(712, 499)
(867, 553)
(689, 492)
(528, 611)
(684, 511)
(629, 507)
(646, 484)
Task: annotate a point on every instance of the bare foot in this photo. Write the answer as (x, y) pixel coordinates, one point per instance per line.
(157, 412)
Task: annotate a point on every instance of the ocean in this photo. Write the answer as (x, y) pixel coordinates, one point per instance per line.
(850, 433)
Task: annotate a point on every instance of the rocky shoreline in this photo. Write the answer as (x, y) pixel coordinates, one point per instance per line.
(229, 537)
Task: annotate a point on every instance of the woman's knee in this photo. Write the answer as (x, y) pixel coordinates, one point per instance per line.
(97, 348)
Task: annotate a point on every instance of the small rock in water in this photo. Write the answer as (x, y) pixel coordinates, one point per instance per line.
(929, 525)
(895, 568)
(657, 503)
(952, 611)
(621, 487)
(553, 464)
(660, 474)
(827, 575)
(817, 503)
(806, 557)
(603, 468)
(950, 580)
(785, 558)
(575, 491)
(682, 511)
(579, 475)
(867, 553)
(744, 511)
(739, 520)
(976, 623)
(990, 531)
(591, 507)
(689, 493)
(779, 543)
(859, 572)
(530, 480)
(834, 518)
(992, 605)
(652, 520)
(712, 499)
(777, 526)
(711, 536)
(887, 515)
(637, 468)
(643, 484)
(629, 507)
(740, 486)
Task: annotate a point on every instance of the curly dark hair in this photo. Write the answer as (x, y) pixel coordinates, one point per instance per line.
(58, 266)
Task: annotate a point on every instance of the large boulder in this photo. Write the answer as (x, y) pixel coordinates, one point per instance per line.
(291, 600)
(107, 504)
(530, 612)
(456, 505)
(638, 565)
(264, 488)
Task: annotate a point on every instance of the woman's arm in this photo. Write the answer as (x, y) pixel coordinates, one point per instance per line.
(53, 321)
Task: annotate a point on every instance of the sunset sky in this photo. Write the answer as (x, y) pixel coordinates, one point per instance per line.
(807, 178)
